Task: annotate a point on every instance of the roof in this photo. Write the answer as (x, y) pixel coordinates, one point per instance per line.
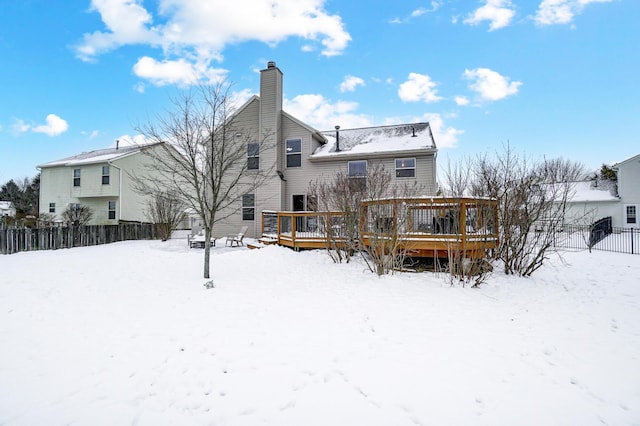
(636, 157)
(314, 133)
(586, 191)
(98, 156)
(6, 205)
(414, 137)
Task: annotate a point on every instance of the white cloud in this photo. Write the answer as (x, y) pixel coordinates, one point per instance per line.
(128, 140)
(90, 135)
(561, 11)
(445, 136)
(181, 72)
(498, 12)
(19, 126)
(350, 83)
(239, 98)
(490, 85)
(461, 100)
(435, 5)
(195, 32)
(127, 22)
(321, 114)
(418, 87)
(53, 126)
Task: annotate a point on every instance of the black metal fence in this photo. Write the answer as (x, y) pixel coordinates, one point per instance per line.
(604, 237)
(13, 240)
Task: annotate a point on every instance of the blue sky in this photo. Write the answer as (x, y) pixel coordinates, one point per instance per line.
(557, 78)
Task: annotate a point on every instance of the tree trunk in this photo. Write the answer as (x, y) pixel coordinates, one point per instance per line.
(207, 251)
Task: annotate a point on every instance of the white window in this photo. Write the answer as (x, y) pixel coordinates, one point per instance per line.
(112, 210)
(358, 175)
(76, 177)
(248, 206)
(105, 175)
(52, 207)
(631, 214)
(358, 169)
(405, 167)
(294, 153)
(253, 156)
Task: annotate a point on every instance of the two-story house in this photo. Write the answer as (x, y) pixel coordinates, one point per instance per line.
(298, 154)
(100, 180)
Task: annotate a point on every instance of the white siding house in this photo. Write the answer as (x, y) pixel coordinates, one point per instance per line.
(7, 209)
(293, 153)
(629, 191)
(98, 179)
(298, 154)
(621, 202)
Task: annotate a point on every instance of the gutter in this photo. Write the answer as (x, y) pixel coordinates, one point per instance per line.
(366, 155)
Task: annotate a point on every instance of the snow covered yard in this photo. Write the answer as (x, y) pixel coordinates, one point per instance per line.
(126, 334)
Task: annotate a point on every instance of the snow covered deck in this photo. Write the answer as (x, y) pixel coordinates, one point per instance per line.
(422, 227)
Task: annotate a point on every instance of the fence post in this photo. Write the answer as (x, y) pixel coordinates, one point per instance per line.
(632, 232)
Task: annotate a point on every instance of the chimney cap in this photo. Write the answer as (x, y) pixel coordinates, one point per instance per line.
(271, 64)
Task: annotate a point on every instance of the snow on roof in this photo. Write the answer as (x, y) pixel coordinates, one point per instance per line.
(401, 137)
(6, 205)
(97, 156)
(630, 159)
(587, 191)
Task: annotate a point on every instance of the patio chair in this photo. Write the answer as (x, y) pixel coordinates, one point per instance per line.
(237, 238)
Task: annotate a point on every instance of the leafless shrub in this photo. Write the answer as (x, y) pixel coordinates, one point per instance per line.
(382, 250)
(77, 214)
(165, 209)
(532, 198)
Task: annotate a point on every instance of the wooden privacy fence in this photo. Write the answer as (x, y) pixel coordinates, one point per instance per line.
(14, 240)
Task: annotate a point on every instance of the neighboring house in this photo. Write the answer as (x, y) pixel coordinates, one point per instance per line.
(299, 154)
(628, 172)
(7, 209)
(589, 203)
(596, 200)
(98, 179)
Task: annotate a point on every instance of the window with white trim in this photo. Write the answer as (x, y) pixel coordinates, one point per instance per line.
(52, 207)
(405, 167)
(357, 172)
(631, 214)
(253, 156)
(76, 177)
(248, 206)
(294, 152)
(105, 175)
(112, 210)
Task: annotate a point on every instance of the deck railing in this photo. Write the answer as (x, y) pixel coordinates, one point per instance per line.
(307, 229)
(433, 226)
(427, 227)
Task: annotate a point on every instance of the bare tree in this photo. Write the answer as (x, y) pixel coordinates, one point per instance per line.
(385, 220)
(77, 215)
(204, 159)
(532, 198)
(165, 210)
(341, 194)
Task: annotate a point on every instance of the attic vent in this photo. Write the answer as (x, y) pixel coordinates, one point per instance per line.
(271, 64)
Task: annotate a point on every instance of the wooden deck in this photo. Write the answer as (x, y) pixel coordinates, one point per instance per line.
(421, 227)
